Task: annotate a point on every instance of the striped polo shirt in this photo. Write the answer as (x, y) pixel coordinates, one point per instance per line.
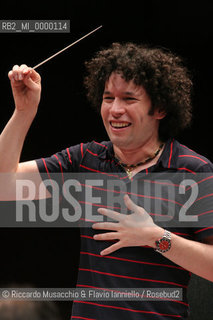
(135, 267)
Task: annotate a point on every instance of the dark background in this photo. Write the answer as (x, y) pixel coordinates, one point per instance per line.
(49, 257)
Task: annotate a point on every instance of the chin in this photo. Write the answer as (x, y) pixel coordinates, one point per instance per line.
(120, 143)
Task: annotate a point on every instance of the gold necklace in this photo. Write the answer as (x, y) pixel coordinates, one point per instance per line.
(130, 167)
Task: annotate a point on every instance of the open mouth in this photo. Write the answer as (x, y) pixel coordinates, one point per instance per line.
(120, 125)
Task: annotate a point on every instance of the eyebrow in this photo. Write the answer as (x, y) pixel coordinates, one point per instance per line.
(128, 93)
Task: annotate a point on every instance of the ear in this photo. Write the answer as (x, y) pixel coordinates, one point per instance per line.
(159, 113)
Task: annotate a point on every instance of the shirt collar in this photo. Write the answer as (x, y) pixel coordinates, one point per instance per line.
(169, 156)
(167, 160)
(108, 151)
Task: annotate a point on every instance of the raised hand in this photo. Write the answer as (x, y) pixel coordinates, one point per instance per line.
(26, 87)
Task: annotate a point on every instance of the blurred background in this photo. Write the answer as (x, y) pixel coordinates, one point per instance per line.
(49, 257)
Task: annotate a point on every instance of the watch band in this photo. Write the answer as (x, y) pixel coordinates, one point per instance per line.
(164, 244)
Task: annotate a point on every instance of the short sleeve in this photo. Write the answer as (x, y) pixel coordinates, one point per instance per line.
(67, 160)
(56, 169)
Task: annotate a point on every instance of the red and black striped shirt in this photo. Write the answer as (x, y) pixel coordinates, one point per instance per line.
(135, 267)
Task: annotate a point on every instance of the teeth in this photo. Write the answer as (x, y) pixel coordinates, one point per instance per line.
(119, 124)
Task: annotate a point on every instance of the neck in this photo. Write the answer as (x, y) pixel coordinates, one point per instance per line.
(131, 156)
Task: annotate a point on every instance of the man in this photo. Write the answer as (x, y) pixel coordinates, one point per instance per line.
(144, 94)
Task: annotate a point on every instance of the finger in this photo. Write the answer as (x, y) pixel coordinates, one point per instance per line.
(10, 76)
(32, 79)
(35, 76)
(25, 69)
(105, 226)
(111, 214)
(111, 249)
(15, 72)
(130, 204)
(23, 66)
(106, 236)
(18, 72)
(13, 76)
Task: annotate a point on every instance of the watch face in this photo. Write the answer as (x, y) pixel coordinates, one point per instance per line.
(164, 245)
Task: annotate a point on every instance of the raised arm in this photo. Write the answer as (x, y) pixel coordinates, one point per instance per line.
(26, 88)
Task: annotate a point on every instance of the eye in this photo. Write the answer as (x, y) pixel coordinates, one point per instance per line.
(129, 99)
(108, 98)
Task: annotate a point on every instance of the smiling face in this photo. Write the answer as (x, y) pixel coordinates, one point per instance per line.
(125, 113)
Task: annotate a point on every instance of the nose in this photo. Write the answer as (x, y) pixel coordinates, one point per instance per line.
(117, 108)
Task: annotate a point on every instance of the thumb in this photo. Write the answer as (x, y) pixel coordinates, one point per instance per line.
(130, 204)
(32, 79)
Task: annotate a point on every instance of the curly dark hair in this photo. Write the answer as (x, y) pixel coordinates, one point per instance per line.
(162, 74)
